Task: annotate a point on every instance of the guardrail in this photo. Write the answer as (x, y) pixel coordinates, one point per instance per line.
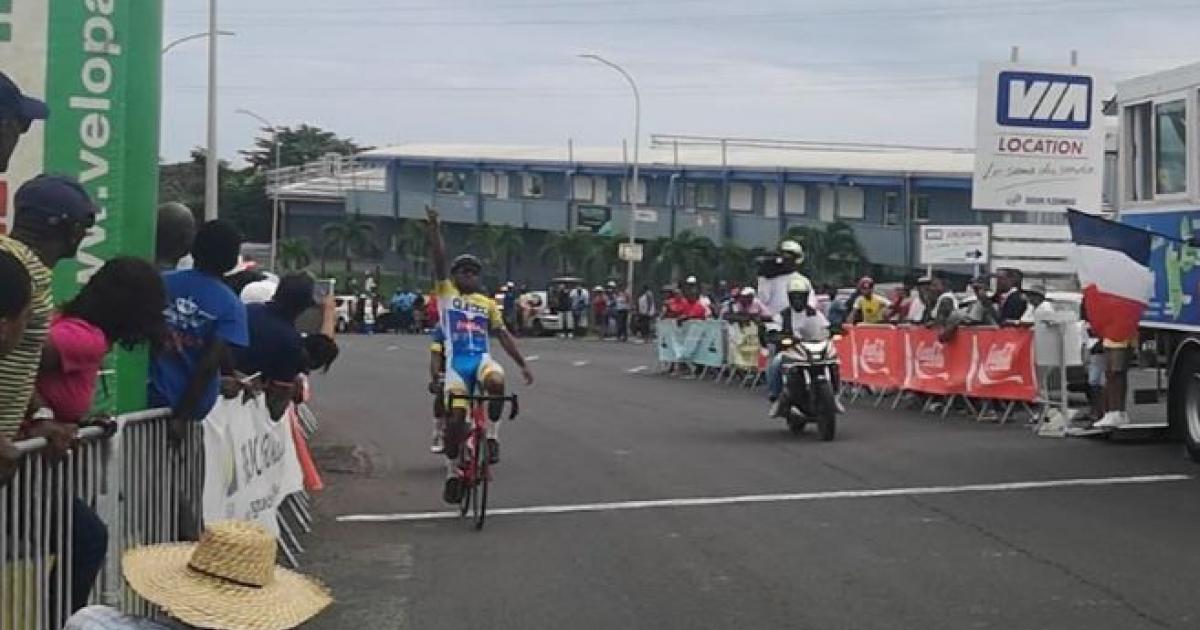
(145, 486)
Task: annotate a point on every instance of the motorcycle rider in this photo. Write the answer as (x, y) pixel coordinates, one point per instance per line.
(802, 322)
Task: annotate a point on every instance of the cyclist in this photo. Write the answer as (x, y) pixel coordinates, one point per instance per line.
(466, 315)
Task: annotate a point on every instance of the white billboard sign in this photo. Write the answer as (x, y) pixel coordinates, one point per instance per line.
(1039, 139)
(954, 244)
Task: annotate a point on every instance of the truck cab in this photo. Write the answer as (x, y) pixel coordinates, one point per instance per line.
(1158, 189)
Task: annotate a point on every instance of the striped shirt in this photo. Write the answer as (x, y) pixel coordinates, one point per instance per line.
(18, 369)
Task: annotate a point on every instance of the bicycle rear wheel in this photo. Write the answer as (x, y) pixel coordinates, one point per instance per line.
(479, 490)
(466, 465)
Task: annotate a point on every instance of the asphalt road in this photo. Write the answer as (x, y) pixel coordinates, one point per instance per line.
(938, 551)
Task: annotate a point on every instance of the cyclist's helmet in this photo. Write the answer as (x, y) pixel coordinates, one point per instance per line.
(466, 260)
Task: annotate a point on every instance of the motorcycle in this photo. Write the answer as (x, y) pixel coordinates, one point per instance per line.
(808, 386)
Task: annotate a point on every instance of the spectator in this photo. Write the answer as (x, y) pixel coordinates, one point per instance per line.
(580, 302)
(746, 308)
(838, 309)
(176, 229)
(982, 311)
(688, 305)
(509, 304)
(621, 304)
(276, 351)
(53, 214)
(16, 292)
(17, 113)
(205, 318)
(16, 289)
(943, 303)
(228, 580)
(1010, 301)
(869, 306)
(1039, 308)
(669, 293)
(600, 311)
(916, 300)
(122, 305)
(647, 310)
(404, 303)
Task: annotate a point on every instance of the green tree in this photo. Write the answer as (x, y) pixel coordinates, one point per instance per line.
(734, 263)
(687, 254)
(832, 254)
(294, 253)
(568, 249)
(297, 145)
(411, 240)
(350, 237)
(499, 244)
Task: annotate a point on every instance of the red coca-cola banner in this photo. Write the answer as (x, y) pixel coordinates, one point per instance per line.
(1002, 364)
(977, 362)
(878, 356)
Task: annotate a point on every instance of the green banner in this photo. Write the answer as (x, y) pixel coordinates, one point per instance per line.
(100, 64)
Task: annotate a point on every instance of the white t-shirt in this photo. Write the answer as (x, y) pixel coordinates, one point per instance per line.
(773, 292)
(806, 327)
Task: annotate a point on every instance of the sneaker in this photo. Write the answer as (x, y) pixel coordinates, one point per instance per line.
(776, 408)
(452, 493)
(493, 449)
(437, 447)
(1112, 420)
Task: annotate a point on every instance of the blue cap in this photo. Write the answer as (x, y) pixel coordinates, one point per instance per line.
(13, 102)
(57, 198)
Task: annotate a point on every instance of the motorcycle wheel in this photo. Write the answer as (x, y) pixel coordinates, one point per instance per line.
(826, 411)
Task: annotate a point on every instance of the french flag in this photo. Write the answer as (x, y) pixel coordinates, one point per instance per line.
(1112, 260)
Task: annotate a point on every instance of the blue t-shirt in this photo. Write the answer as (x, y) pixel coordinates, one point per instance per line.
(200, 308)
(404, 302)
(276, 348)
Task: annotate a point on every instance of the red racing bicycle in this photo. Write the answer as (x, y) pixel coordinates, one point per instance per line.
(474, 471)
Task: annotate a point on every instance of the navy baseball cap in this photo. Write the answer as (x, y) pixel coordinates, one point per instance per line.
(12, 101)
(57, 198)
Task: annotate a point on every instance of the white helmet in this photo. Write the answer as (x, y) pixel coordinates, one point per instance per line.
(792, 247)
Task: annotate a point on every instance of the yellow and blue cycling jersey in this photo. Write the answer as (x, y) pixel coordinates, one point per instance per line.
(466, 321)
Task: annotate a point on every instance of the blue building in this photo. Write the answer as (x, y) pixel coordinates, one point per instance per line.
(744, 192)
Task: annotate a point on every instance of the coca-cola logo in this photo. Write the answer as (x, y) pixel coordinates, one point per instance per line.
(930, 361)
(873, 356)
(997, 365)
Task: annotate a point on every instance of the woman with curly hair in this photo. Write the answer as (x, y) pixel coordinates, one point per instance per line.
(121, 305)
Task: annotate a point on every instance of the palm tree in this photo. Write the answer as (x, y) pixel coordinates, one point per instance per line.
(812, 238)
(410, 240)
(843, 249)
(568, 249)
(686, 252)
(735, 263)
(498, 243)
(293, 253)
(349, 237)
(603, 257)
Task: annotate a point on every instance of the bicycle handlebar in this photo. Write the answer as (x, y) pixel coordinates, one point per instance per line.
(473, 398)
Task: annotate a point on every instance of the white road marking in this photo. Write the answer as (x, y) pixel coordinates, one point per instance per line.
(532, 357)
(635, 370)
(391, 348)
(580, 363)
(774, 498)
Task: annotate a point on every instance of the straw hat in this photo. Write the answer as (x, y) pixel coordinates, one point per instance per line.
(227, 581)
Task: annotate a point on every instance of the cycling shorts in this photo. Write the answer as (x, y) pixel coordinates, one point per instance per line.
(465, 373)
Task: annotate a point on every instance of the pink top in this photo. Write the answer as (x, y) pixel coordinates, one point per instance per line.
(81, 348)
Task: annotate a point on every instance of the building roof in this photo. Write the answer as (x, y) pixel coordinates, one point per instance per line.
(738, 155)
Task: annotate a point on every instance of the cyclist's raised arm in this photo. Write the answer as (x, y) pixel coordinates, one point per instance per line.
(437, 245)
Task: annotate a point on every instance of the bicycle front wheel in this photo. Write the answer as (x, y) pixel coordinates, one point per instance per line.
(479, 489)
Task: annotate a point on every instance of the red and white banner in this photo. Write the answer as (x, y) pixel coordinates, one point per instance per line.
(979, 362)
(878, 356)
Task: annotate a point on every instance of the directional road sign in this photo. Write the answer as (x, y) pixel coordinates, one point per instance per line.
(954, 244)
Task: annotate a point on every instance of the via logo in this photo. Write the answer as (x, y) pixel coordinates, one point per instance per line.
(1043, 100)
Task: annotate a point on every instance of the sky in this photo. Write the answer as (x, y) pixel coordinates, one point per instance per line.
(385, 72)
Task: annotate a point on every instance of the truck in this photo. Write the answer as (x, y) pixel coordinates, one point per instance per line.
(1158, 189)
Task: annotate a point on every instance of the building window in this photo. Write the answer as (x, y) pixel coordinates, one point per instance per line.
(583, 188)
(532, 185)
(827, 203)
(793, 199)
(851, 202)
(451, 183)
(741, 197)
(627, 183)
(700, 195)
(920, 208)
(770, 200)
(1170, 148)
(891, 208)
(1136, 149)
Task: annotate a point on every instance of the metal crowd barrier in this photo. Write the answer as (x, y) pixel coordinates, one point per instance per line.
(145, 490)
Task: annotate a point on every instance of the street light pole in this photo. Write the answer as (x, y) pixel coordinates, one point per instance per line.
(275, 193)
(166, 49)
(637, 182)
(211, 161)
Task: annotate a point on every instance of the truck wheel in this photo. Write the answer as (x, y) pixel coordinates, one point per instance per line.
(1183, 411)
